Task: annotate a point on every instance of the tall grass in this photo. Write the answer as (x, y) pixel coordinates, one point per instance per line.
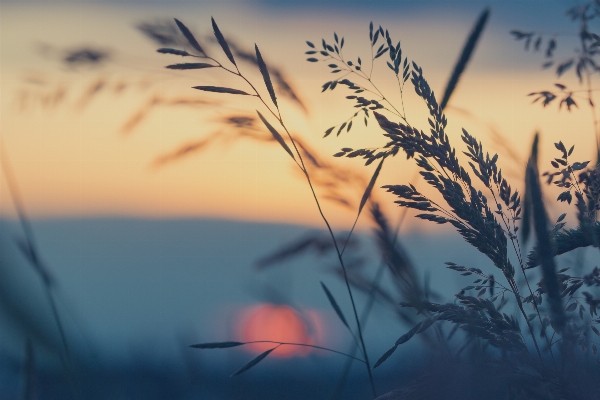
(548, 357)
(546, 348)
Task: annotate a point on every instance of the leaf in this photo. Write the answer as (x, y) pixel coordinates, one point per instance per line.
(189, 66)
(577, 166)
(571, 307)
(547, 64)
(219, 89)
(253, 362)
(265, 73)
(335, 306)
(166, 50)
(385, 356)
(406, 337)
(222, 41)
(381, 52)
(538, 43)
(188, 35)
(369, 188)
(375, 38)
(328, 131)
(562, 68)
(217, 345)
(551, 47)
(276, 135)
(465, 56)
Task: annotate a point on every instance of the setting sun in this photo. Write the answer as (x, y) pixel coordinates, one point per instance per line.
(280, 323)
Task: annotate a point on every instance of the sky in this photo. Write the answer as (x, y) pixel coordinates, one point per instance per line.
(86, 156)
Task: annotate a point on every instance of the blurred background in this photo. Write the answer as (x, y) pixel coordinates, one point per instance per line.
(165, 217)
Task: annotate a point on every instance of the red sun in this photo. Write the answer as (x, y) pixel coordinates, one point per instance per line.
(280, 324)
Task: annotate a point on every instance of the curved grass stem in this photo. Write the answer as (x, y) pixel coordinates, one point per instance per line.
(302, 166)
(306, 345)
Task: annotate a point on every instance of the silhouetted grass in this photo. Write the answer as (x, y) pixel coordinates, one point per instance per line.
(485, 210)
(546, 348)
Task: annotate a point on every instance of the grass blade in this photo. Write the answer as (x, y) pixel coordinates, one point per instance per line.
(369, 188)
(190, 38)
(219, 89)
(253, 362)
(328, 131)
(276, 135)
(465, 56)
(265, 73)
(421, 326)
(222, 41)
(408, 335)
(385, 356)
(216, 345)
(335, 306)
(189, 66)
(167, 50)
(537, 212)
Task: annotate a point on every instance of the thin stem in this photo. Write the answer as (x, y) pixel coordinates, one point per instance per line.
(386, 100)
(496, 282)
(401, 88)
(339, 255)
(517, 249)
(364, 318)
(520, 304)
(521, 265)
(367, 311)
(360, 335)
(306, 345)
(372, 62)
(303, 168)
(377, 91)
(355, 221)
(35, 261)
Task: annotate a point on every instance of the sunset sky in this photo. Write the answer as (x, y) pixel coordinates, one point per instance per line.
(83, 156)
(151, 254)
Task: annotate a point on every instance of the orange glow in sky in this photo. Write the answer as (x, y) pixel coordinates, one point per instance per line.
(281, 324)
(85, 142)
